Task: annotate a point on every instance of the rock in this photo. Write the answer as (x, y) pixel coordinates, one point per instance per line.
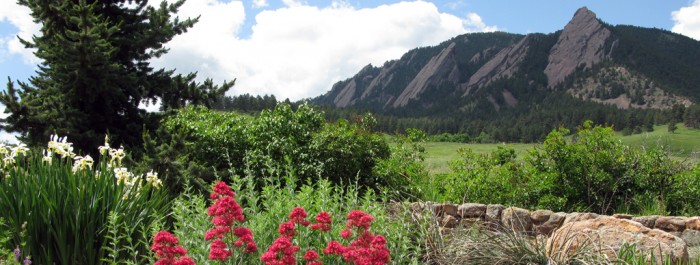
(540, 216)
(471, 210)
(441, 209)
(648, 221)
(581, 42)
(555, 220)
(623, 216)
(516, 219)
(503, 65)
(493, 213)
(670, 224)
(448, 221)
(607, 235)
(693, 223)
(574, 217)
(442, 68)
(691, 237)
(421, 207)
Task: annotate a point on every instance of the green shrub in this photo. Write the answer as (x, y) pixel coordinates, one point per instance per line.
(595, 172)
(589, 171)
(486, 178)
(403, 174)
(63, 205)
(197, 144)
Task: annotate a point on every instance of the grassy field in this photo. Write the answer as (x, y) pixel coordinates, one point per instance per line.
(683, 144)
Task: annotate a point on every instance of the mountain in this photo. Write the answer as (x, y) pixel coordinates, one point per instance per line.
(621, 75)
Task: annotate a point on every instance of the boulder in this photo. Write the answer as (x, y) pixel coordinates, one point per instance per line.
(693, 223)
(648, 221)
(555, 220)
(607, 235)
(441, 209)
(471, 210)
(540, 216)
(574, 217)
(516, 219)
(493, 213)
(671, 223)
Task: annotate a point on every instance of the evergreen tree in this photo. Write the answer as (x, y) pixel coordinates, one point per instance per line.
(672, 127)
(95, 71)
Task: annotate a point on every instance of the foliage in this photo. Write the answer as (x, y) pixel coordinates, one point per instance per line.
(486, 178)
(404, 173)
(596, 172)
(95, 72)
(71, 212)
(199, 144)
(589, 171)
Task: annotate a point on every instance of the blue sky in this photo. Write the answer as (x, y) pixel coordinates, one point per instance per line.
(298, 49)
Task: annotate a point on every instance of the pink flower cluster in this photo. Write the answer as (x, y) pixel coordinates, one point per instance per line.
(165, 245)
(367, 248)
(225, 212)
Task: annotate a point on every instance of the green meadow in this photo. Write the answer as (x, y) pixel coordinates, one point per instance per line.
(683, 144)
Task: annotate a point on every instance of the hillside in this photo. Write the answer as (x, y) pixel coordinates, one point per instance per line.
(516, 87)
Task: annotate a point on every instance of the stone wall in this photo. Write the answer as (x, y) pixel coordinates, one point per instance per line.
(544, 222)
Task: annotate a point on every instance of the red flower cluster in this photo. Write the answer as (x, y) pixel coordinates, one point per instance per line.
(165, 245)
(225, 212)
(323, 222)
(298, 216)
(367, 248)
(282, 250)
(311, 258)
(282, 245)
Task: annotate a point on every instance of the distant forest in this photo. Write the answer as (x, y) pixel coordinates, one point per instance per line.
(510, 125)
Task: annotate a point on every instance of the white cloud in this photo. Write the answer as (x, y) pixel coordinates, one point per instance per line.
(18, 16)
(259, 3)
(294, 3)
(300, 51)
(6, 137)
(473, 22)
(687, 20)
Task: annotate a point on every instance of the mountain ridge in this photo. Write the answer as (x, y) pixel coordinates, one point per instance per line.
(483, 76)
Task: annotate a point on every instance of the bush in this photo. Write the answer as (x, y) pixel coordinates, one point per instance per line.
(589, 171)
(197, 144)
(492, 178)
(65, 207)
(403, 174)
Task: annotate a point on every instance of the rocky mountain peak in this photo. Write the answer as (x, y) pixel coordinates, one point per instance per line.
(581, 42)
(440, 68)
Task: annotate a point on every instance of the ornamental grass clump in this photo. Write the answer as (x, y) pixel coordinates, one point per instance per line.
(66, 199)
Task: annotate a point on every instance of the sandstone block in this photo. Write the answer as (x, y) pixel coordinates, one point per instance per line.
(555, 220)
(647, 221)
(493, 213)
(671, 223)
(442, 209)
(608, 234)
(516, 219)
(471, 210)
(540, 216)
